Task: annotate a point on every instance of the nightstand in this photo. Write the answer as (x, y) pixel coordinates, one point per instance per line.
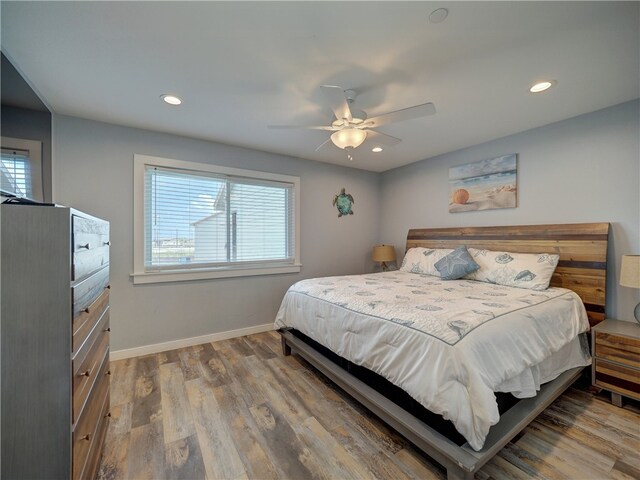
(615, 346)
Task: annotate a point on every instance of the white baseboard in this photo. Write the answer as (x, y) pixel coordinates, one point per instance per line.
(187, 342)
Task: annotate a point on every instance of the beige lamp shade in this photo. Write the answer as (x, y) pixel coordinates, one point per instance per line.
(630, 271)
(384, 253)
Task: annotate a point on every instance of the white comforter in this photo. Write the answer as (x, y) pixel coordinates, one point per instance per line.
(449, 344)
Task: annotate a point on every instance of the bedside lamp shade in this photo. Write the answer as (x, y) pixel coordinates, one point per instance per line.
(630, 276)
(630, 271)
(384, 254)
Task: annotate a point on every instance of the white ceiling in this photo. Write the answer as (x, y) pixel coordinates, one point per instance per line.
(241, 66)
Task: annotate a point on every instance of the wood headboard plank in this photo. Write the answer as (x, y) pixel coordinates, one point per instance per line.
(582, 248)
(571, 230)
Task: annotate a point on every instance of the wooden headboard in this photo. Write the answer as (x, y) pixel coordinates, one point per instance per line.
(582, 248)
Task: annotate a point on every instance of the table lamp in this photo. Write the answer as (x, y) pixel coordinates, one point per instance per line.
(384, 254)
(630, 276)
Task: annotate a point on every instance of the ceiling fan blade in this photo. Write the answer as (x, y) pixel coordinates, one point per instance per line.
(323, 144)
(337, 101)
(409, 113)
(302, 127)
(382, 138)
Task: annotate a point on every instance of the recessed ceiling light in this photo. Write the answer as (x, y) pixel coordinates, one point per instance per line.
(439, 15)
(376, 149)
(542, 86)
(171, 99)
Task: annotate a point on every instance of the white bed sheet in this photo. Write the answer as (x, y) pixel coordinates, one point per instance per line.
(449, 344)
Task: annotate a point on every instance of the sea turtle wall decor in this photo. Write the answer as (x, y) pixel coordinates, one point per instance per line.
(343, 202)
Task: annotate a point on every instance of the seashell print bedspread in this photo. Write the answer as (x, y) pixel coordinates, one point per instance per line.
(449, 344)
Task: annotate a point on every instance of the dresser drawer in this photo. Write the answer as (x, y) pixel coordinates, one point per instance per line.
(83, 324)
(95, 452)
(90, 246)
(617, 378)
(86, 292)
(94, 367)
(618, 349)
(96, 335)
(87, 431)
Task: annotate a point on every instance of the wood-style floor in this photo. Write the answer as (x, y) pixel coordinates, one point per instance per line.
(238, 409)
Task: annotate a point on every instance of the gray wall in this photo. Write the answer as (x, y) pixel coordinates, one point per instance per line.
(585, 169)
(93, 171)
(25, 116)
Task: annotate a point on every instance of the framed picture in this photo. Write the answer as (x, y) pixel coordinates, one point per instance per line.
(484, 185)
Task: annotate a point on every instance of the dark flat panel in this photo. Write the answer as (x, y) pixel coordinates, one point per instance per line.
(36, 342)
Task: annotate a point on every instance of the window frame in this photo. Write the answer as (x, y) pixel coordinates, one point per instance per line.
(140, 273)
(34, 147)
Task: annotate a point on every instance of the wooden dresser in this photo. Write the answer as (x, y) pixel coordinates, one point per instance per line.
(55, 342)
(616, 359)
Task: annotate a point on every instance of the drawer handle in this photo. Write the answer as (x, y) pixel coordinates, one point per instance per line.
(107, 243)
(108, 415)
(108, 287)
(86, 310)
(86, 373)
(87, 437)
(108, 372)
(87, 246)
(108, 329)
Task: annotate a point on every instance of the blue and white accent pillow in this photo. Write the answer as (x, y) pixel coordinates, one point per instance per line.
(456, 265)
(423, 260)
(521, 270)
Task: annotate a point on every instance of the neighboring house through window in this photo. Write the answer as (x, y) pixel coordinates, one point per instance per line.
(196, 221)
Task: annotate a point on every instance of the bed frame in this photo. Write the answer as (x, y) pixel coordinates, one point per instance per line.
(582, 268)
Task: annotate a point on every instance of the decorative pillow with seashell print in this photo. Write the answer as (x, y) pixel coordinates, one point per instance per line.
(423, 260)
(521, 270)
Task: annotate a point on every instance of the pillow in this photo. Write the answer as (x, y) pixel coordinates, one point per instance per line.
(423, 260)
(456, 265)
(521, 270)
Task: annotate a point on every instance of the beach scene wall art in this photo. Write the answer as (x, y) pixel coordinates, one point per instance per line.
(484, 185)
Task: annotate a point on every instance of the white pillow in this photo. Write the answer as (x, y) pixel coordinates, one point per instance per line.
(423, 260)
(521, 270)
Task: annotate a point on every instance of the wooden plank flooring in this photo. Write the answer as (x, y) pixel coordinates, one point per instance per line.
(238, 409)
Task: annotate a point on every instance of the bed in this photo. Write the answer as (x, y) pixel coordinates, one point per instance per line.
(452, 346)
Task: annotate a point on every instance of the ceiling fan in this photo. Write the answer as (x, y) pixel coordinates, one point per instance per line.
(352, 127)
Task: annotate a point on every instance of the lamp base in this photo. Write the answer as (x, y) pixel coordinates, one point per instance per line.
(636, 313)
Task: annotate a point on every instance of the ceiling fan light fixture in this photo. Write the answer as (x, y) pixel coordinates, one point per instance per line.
(348, 137)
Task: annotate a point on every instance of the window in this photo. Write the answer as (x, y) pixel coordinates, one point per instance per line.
(20, 168)
(195, 221)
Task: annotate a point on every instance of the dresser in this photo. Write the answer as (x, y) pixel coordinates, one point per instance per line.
(616, 359)
(54, 340)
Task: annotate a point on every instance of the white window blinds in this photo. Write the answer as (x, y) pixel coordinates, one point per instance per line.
(199, 219)
(15, 173)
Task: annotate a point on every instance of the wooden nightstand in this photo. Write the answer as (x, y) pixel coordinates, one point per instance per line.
(616, 359)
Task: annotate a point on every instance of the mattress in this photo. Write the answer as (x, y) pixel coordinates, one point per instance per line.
(448, 344)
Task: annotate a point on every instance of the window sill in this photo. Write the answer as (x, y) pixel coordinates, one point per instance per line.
(205, 274)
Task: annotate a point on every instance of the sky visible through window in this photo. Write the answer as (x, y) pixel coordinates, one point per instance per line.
(178, 203)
